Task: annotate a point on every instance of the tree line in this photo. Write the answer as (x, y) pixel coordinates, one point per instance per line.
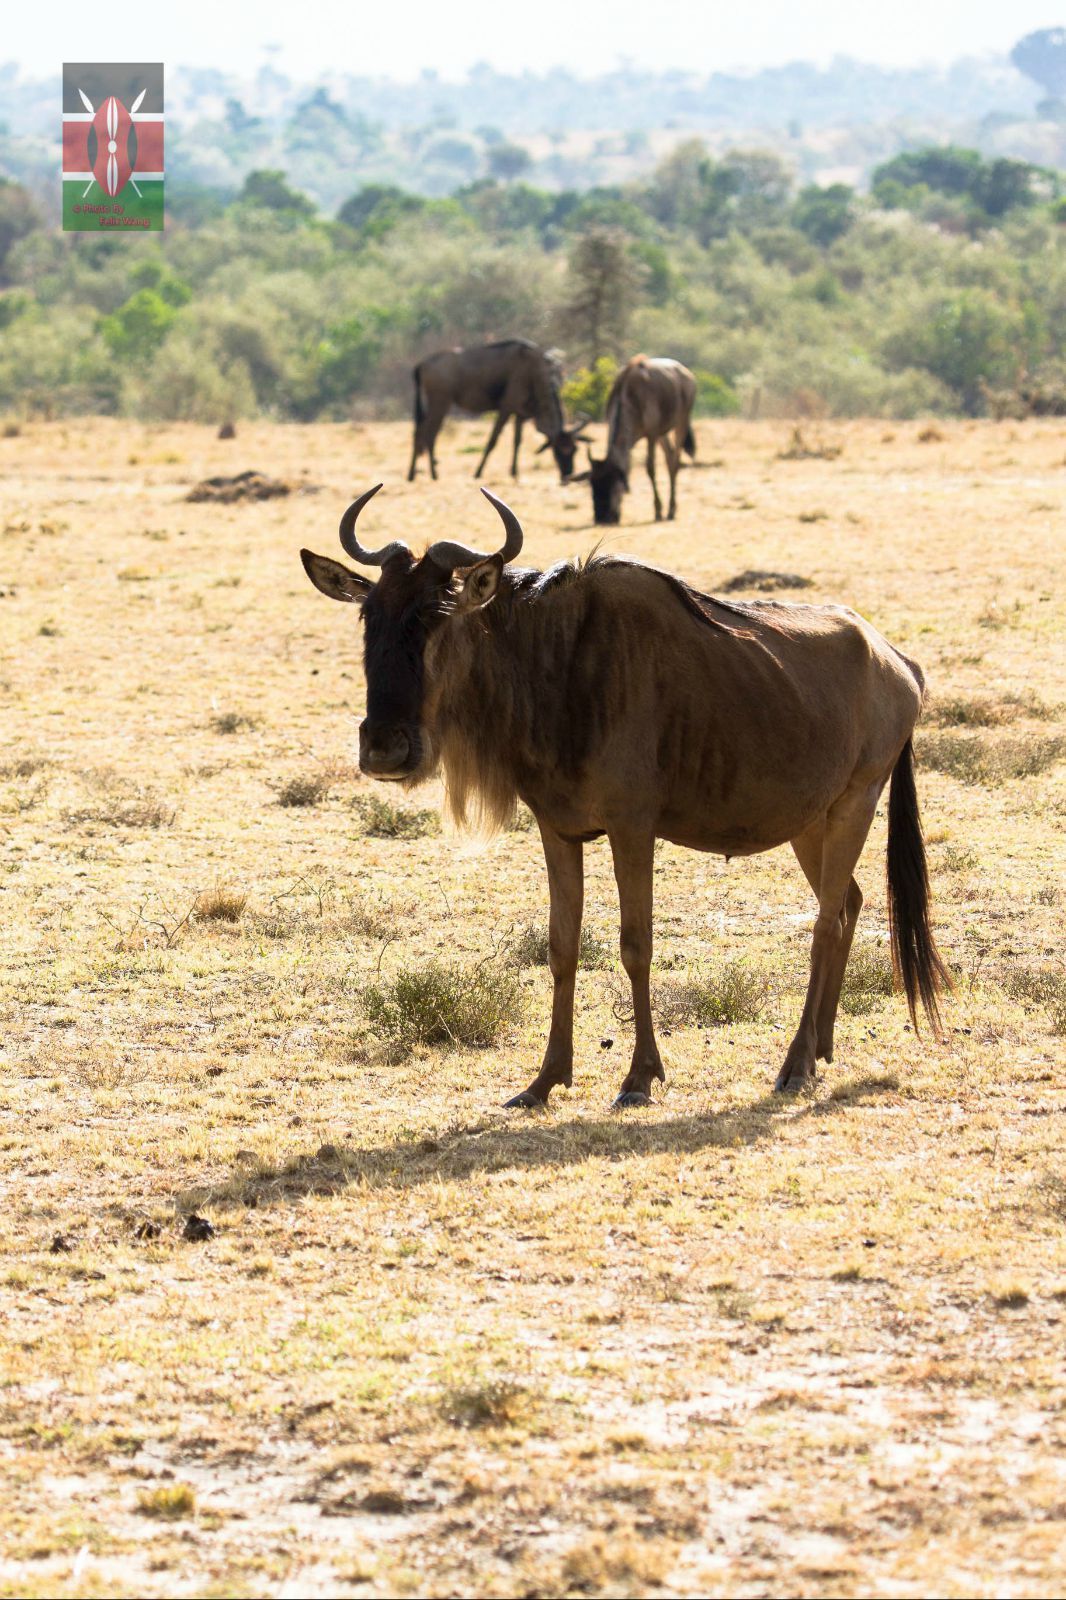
(943, 287)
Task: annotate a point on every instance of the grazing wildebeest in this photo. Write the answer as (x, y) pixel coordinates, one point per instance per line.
(514, 378)
(614, 699)
(651, 398)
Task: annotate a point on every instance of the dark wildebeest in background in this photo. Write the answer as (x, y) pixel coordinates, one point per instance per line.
(514, 378)
(613, 699)
(651, 398)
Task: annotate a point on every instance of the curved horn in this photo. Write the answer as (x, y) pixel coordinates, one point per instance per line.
(449, 555)
(352, 547)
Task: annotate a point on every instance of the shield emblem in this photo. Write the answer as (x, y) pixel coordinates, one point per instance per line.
(112, 162)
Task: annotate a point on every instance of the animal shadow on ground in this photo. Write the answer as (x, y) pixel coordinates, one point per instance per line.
(488, 1145)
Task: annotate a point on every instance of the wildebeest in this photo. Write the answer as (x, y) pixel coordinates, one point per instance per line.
(651, 398)
(514, 378)
(614, 699)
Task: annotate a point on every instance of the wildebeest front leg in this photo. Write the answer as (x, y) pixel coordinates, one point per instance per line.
(566, 885)
(497, 429)
(633, 859)
(673, 461)
(654, 485)
(846, 826)
(517, 442)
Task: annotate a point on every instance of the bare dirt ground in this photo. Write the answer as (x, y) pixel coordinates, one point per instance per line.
(732, 1344)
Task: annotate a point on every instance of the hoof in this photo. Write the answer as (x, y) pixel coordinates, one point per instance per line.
(524, 1102)
(632, 1097)
(793, 1080)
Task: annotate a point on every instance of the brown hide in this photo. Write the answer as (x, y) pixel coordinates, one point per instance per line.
(616, 694)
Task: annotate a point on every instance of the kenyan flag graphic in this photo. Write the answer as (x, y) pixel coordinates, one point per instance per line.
(112, 147)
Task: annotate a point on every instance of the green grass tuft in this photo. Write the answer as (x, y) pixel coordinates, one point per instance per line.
(867, 980)
(442, 1004)
(383, 820)
(733, 994)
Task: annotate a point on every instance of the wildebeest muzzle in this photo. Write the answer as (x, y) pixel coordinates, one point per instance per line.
(388, 752)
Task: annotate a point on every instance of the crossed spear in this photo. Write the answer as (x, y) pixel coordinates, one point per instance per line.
(91, 109)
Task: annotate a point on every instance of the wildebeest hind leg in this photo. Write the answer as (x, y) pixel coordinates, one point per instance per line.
(565, 863)
(633, 859)
(846, 827)
(808, 848)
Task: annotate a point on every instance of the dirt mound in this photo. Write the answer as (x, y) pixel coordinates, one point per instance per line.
(766, 581)
(244, 486)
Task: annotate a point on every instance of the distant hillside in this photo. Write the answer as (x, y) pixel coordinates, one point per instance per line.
(555, 130)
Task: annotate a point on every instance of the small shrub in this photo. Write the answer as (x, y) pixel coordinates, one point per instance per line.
(529, 948)
(233, 722)
(589, 387)
(867, 979)
(960, 711)
(169, 1501)
(523, 820)
(442, 1004)
(799, 448)
(974, 758)
(221, 905)
(491, 1403)
(124, 805)
(714, 396)
(1041, 986)
(382, 820)
(732, 995)
(305, 789)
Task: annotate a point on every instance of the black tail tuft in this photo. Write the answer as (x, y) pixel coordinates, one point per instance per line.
(420, 410)
(915, 958)
(689, 445)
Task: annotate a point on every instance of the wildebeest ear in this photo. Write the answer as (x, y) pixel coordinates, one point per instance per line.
(335, 581)
(480, 585)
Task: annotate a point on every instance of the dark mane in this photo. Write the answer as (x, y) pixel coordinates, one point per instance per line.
(531, 587)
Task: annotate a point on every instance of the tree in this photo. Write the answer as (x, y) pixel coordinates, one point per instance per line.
(604, 282)
(824, 214)
(18, 217)
(269, 188)
(508, 161)
(1042, 57)
(379, 204)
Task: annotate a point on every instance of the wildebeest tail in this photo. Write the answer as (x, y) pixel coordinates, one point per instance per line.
(915, 959)
(689, 446)
(420, 410)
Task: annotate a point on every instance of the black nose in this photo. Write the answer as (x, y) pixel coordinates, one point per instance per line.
(383, 752)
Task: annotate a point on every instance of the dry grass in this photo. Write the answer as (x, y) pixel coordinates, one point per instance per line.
(729, 1344)
(977, 758)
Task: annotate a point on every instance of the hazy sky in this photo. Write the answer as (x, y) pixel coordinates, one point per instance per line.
(398, 39)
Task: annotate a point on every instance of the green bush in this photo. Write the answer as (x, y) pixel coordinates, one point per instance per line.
(589, 388)
(441, 1004)
(715, 397)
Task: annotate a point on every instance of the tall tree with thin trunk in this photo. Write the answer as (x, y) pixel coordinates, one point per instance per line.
(603, 282)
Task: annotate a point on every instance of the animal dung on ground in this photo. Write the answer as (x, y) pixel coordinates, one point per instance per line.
(248, 485)
(147, 1229)
(227, 431)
